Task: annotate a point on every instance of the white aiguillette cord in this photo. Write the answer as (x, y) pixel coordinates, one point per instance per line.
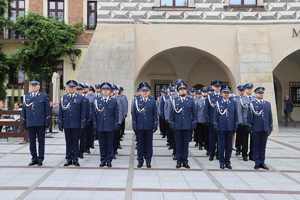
(97, 108)
(174, 107)
(219, 110)
(64, 107)
(25, 103)
(256, 112)
(137, 106)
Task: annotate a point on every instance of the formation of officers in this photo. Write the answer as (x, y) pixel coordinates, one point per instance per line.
(213, 117)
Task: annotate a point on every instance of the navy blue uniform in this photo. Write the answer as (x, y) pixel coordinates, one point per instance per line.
(226, 120)
(211, 100)
(36, 117)
(89, 126)
(262, 126)
(106, 121)
(144, 123)
(71, 119)
(161, 112)
(84, 130)
(201, 131)
(183, 121)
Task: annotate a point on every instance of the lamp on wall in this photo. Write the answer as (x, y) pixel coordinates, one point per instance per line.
(73, 54)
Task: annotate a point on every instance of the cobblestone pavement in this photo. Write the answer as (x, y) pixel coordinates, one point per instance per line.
(124, 181)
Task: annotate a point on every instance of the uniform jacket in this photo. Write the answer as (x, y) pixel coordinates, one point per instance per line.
(262, 120)
(144, 114)
(201, 110)
(106, 114)
(36, 110)
(226, 117)
(183, 113)
(211, 107)
(72, 111)
(243, 110)
(161, 106)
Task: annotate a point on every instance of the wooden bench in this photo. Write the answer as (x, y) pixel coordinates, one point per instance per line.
(19, 130)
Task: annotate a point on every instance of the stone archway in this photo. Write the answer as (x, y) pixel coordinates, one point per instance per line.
(287, 82)
(195, 66)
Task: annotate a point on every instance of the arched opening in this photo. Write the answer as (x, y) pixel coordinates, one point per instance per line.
(287, 83)
(195, 66)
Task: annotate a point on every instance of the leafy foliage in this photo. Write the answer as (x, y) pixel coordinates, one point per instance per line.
(3, 59)
(47, 41)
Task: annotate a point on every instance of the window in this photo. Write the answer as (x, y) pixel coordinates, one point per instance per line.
(174, 3)
(295, 92)
(242, 2)
(16, 9)
(91, 14)
(56, 9)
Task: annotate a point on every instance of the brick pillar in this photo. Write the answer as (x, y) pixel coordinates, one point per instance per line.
(36, 6)
(256, 63)
(75, 11)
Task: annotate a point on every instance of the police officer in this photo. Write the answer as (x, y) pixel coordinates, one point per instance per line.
(167, 111)
(83, 132)
(161, 111)
(201, 131)
(226, 119)
(124, 103)
(244, 126)
(106, 122)
(36, 117)
(183, 121)
(72, 119)
(262, 126)
(144, 122)
(212, 99)
(89, 126)
(249, 96)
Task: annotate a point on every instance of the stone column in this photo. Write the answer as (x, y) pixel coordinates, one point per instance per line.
(256, 63)
(111, 57)
(55, 87)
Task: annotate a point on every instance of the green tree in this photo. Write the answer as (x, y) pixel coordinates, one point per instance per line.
(47, 42)
(3, 59)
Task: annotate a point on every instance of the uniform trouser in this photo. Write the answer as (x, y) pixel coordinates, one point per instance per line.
(116, 140)
(212, 138)
(243, 131)
(82, 140)
(123, 128)
(259, 147)
(251, 152)
(201, 134)
(144, 145)
(162, 126)
(238, 145)
(172, 141)
(89, 137)
(225, 146)
(72, 143)
(106, 146)
(38, 133)
(182, 138)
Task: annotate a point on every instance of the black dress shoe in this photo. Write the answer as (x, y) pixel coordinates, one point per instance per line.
(222, 166)
(186, 165)
(88, 151)
(264, 166)
(228, 166)
(109, 165)
(256, 167)
(140, 165)
(211, 158)
(81, 155)
(40, 163)
(102, 164)
(76, 163)
(178, 165)
(33, 162)
(68, 163)
(245, 159)
(148, 165)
